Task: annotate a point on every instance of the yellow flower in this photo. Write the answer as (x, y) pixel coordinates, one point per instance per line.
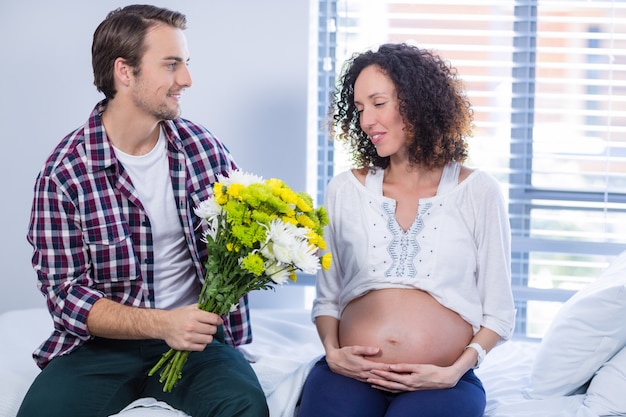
(292, 276)
(218, 194)
(316, 240)
(234, 190)
(305, 221)
(326, 260)
(290, 219)
(275, 184)
(303, 205)
(288, 196)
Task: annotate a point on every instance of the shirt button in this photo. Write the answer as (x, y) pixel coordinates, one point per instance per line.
(148, 260)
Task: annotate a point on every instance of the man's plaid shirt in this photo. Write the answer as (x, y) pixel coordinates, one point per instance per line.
(92, 237)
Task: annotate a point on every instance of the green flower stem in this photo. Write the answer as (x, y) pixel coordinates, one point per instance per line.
(175, 372)
(160, 363)
(173, 359)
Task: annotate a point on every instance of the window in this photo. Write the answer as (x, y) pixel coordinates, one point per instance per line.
(547, 79)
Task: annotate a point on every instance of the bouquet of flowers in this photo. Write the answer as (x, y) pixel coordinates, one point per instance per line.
(259, 233)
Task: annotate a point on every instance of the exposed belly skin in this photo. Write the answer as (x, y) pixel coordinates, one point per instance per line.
(408, 325)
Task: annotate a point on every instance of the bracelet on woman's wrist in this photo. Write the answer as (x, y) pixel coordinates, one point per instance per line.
(481, 353)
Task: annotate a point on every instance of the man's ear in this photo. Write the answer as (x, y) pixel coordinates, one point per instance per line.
(122, 72)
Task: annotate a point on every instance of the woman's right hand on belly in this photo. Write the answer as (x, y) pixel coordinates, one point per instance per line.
(354, 361)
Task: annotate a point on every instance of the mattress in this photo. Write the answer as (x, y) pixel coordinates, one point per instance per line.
(284, 349)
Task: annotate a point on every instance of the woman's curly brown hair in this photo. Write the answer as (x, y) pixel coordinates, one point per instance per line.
(437, 115)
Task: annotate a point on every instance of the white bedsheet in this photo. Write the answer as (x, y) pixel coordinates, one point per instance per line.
(505, 374)
(284, 349)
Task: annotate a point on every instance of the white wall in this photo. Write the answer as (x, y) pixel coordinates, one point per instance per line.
(249, 63)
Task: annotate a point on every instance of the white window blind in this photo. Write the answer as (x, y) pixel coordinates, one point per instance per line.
(547, 79)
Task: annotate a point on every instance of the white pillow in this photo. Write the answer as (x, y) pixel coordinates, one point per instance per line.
(606, 395)
(587, 331)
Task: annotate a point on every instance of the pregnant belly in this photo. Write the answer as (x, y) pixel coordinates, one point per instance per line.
(409, 326)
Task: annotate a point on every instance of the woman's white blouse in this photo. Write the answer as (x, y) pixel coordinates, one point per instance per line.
(457, 250)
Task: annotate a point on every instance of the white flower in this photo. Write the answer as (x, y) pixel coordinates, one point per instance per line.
(208, 209)
(278, 273)
(304, 257)
(288, 245)
(239, 177)
(280, 238)
(278, 252)
(284, 233)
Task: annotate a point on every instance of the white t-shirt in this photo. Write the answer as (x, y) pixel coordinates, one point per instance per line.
(175, 282)
(457, 250)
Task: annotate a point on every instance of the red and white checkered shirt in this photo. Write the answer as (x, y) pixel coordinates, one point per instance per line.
(92, 237)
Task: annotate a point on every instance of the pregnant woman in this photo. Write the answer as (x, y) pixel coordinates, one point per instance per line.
(419, 289)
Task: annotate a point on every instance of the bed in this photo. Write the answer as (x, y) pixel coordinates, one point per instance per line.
(577, 370)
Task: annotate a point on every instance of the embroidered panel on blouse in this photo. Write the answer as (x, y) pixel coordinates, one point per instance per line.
(404, 246)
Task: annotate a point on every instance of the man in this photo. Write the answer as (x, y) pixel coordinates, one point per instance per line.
(117, 250)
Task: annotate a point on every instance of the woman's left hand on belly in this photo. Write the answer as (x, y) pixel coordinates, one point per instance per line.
(413, 377)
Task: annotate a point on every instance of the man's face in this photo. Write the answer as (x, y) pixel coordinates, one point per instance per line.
(163, 75)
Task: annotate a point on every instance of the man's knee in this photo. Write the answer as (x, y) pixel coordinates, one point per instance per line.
(247, 400)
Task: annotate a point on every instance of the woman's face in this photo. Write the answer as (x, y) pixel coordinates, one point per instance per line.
(376, 100)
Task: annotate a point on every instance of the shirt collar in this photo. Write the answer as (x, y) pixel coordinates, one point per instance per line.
(98, 148)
